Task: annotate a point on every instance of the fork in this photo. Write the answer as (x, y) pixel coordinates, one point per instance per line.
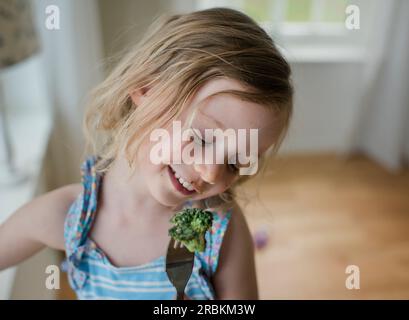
(179, 266)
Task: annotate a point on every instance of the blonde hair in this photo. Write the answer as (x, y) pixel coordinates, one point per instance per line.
(178, 55)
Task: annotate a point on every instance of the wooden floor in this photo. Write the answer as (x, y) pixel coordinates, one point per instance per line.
(323, 213)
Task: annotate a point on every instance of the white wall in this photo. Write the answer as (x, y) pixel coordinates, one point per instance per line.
(326, 105)
(123, 21)
(73, 56)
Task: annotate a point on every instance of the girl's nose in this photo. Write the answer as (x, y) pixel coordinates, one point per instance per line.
(209, 172)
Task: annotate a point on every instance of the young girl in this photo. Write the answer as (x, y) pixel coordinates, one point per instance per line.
(208, 69)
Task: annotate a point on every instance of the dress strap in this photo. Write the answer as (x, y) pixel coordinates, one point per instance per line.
(82, 212)
(214, 240)
(91, 182)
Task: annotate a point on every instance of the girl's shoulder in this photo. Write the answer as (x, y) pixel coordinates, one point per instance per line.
(228, 238)
(73, 190)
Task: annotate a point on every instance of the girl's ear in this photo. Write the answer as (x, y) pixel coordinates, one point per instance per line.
(138, 95)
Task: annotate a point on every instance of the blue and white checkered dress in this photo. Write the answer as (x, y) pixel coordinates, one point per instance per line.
(93, 276)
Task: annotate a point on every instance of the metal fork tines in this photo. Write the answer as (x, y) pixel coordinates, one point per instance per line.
(179, 266)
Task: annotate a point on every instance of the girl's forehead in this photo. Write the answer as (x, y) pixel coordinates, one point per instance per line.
(228, 110)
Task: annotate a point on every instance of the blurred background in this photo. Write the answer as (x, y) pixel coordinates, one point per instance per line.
(336, 195)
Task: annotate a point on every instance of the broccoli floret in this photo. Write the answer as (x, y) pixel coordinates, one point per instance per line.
(190, 226)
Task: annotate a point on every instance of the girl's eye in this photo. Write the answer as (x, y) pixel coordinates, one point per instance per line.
(232, 164)
(198, 139)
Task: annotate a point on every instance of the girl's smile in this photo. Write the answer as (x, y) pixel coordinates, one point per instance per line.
(180, 184)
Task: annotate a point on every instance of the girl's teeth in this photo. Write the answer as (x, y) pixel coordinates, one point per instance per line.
(184, 183)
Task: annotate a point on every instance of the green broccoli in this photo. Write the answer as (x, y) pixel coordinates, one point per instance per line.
(190, 226)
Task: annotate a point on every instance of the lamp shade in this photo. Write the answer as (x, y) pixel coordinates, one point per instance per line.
(18, 38)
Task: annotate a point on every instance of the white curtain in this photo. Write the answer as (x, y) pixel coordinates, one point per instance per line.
(73, 66)
(382, 130)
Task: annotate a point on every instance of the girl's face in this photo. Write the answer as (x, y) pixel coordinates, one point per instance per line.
(221, 111)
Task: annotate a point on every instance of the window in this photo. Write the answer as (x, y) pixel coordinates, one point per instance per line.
(306, 27)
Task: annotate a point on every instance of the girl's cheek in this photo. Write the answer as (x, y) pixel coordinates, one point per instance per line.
(222, 187)
(227, 185)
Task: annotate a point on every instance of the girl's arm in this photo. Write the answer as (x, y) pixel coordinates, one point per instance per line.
(37, 224)
(235, 276)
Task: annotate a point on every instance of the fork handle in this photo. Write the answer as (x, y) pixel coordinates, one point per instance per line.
(180, 295)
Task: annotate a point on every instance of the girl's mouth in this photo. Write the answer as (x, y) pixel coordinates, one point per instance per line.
(177, 184)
